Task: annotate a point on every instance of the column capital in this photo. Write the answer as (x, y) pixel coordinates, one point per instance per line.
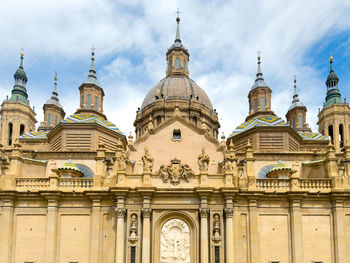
(146, 212)
(121, 212)
(228, 212)
(204, 212)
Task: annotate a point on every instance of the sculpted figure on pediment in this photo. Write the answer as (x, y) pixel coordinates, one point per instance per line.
(203, 161)
(147, 161)
(175, 172)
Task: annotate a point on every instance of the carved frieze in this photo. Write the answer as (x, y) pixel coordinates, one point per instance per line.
(175, 172)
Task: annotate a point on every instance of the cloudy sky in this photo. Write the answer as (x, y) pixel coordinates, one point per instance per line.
(131, 38)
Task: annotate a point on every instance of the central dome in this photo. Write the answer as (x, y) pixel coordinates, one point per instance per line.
(177, 87)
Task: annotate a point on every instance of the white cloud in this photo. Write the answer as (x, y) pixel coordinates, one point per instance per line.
(132, 37)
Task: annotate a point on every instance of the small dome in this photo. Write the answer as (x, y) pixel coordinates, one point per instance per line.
(177, 87)
(332, 76)
(20, 73)
(69, 166)
(259, 83)
(296, 104)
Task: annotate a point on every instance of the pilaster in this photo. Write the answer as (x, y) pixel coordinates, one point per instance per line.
(51, 228)
(6, 228)
(296, 230)
(254, 237)
(228, 211)
(204, 238)
(120, 237)
(146, 233)
(95, 229)
(339, 231)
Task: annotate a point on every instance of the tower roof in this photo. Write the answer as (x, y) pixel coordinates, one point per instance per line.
(92, 78)
(19, 91)
(259, 81)
(295, 102)
(333, 93)
(54, 97)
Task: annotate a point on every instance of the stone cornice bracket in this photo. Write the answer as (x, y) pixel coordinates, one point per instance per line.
(146, 212)
(121, 212)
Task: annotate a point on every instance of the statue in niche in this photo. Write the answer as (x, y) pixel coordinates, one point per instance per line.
(175, 242)
(175, 172)
(203, 161)
(147, 161)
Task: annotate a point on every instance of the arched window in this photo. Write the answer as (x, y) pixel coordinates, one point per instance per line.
(82, 100)
(21, 129)
(184, 65)
(96, 103)
(49, 119)
(293, 122)
(159, 120)
(56, 119)
(301, 121)
(170, 64)
(341, 135)
(88, 101)
(10, 133)
(177, 63)
(195, 120)
(330, 133)
(262, 103)
(255, 105)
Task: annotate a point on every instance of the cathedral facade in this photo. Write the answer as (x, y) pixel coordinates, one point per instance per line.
(77, 189)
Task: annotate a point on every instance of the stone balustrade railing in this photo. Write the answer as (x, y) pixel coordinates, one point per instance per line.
(272, 183)
(75, 183)
(63, 183)
(32, 183)
(286, 184)
(315, 184)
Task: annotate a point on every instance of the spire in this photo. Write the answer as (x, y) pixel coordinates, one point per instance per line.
(333, 93)
(177, 38)
(55, 83)
(54, 97)
(19, 91)
(295, 96)
(92, 78)
(92, 72)
(259, 75)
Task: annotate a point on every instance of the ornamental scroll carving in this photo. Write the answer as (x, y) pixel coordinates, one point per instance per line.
(175, 242)
(175, 172)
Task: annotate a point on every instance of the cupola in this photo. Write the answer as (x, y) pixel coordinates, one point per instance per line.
(91, 93)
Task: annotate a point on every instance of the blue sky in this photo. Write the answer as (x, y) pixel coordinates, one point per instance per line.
(131, 38)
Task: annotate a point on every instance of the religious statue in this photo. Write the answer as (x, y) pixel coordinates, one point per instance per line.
(147, 161)
(229, 161)
(203, 161)
(120, 160)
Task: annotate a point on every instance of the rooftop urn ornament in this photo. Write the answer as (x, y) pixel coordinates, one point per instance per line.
(147, 161)
(203, 161)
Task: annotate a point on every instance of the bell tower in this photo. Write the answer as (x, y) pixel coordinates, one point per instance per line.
(296, 115)
(334, 118)
(91, 93)
(17, 117)
(53, 111)
(259, 96)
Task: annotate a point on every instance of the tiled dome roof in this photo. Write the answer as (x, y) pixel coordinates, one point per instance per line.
(177, 87)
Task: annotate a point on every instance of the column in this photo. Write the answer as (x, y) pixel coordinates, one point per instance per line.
(6, 229)
(146, 235)
(120, 236)
(51, 229)
(204, 212)
(254, 239)
(296, 231)
(229, 232)
(339, 237)
(95, 230)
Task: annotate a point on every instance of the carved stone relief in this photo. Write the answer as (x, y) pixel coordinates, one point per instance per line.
(175, 242)
(175, 172)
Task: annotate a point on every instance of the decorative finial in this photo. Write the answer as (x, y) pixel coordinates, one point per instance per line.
(22, 54)
(55, 83)
(177, 38)
(331, 63)
(259, 74)
(92, 58)
(295, 85)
